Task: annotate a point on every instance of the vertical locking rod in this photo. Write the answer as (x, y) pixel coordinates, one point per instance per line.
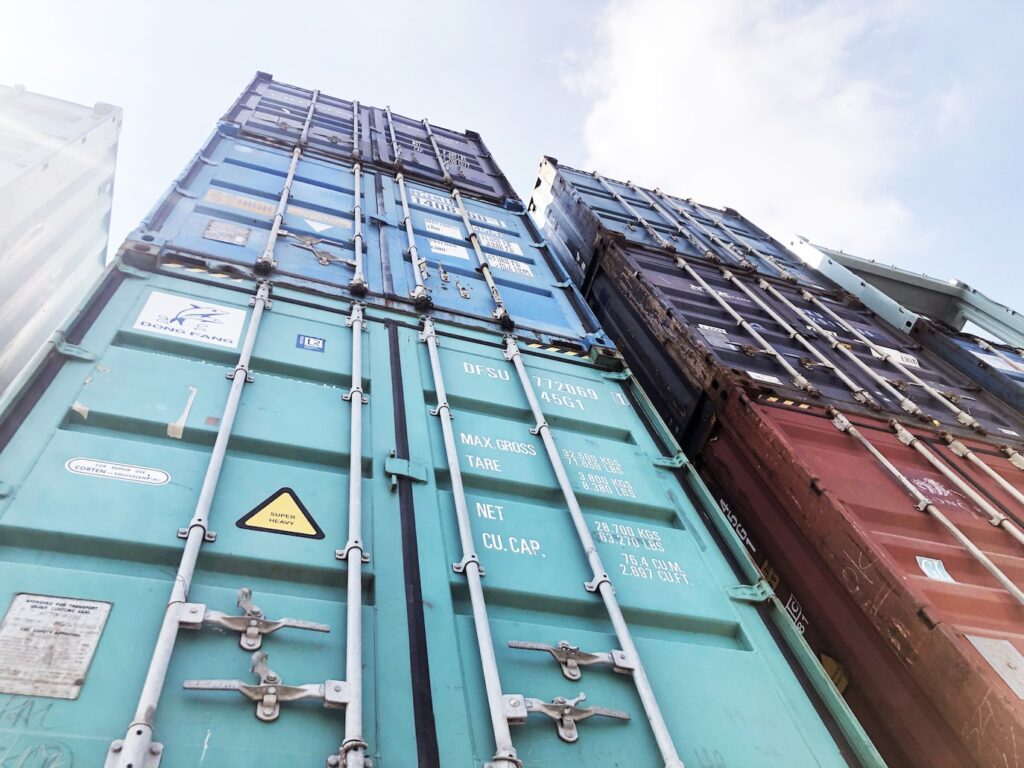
(996, 517)
(358, 283)
(505, 752)
(437, 153)
(961, 415)
(924, 504)
(353, 749)
(266, 262)
(396, 148)
(842, 423)
(420, 295)
(658, 237)
(500, 311)
(139, 739)
(601, 583)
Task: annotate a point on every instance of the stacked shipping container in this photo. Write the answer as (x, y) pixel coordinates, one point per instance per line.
(415, 391)
(879, 487)
(937, 313)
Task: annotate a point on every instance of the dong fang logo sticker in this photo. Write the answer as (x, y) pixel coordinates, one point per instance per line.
(189, 319)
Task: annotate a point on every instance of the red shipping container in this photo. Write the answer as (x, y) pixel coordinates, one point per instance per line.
(931, 642)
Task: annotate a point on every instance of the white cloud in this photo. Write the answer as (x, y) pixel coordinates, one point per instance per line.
(768, 107)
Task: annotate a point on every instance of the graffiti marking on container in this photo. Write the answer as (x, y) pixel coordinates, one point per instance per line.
(47, 644)
(112, 470)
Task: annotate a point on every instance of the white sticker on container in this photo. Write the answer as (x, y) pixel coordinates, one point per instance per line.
(188, 319)
(112, 470)
(996, 362)
(1009, 432)
(934, 569)
(47, 644)
(496, 241)
(712, 329)
(509, 265)
(440, 228)
(442, 248)
(446, 205)
(895, 354)
(766, 377)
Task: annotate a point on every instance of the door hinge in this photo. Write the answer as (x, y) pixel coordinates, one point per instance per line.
(395, 468)
(759, 592)
(71, 350)
(671, 462)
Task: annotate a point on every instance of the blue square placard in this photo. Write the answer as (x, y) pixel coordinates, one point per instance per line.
(310, 343)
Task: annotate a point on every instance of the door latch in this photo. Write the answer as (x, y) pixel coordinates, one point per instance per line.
(571, 658)
(270, 692)
(251, 623)
(565, 712)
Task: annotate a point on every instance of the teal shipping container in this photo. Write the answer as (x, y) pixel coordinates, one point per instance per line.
(243, 524)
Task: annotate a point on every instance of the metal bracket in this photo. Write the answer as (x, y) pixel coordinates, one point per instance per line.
(562, 710)
(251, 623)
(208, 536)
(460, 567)
(671, 462)
(152, 759)
(595, 583)
(230, 375)
(351, 393)
(622, 375)
(270, 692)
(571, 658)
(759, 592)
(395, 468)
(343, 554)
(73, 351)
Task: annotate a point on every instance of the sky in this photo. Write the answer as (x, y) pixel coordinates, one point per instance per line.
(890, 130)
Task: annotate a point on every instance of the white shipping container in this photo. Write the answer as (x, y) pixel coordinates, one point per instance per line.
(56, 184)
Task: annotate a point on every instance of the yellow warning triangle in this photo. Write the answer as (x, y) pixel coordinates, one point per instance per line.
(282, 512)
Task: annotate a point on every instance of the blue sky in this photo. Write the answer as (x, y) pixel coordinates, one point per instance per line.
(888, 129)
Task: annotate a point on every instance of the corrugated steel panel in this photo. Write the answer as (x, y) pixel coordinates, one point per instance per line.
(839, 532)
(343, 130)
(672, 299)
(576, 208)
(879, 584)
(946, 307)
(102, 463)
(56, 183)
(999, 368)
(220, 213)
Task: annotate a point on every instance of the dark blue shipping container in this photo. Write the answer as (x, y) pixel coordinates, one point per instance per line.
(274, 112)
(220, 214)
(999, 368)
(575, 208)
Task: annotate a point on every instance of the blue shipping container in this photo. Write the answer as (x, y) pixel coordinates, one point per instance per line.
(343, 130)
(222, 212)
